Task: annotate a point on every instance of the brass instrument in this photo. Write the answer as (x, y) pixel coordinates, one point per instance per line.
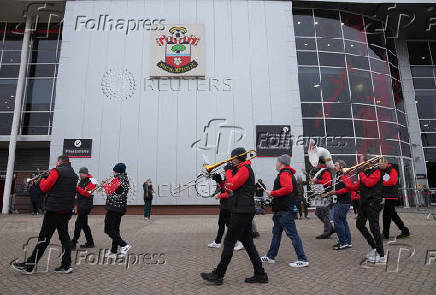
(37, 178)
(374, 162)
(209, 168)
(101, 184)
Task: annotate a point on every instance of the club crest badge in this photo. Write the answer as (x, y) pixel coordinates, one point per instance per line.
(178, 51)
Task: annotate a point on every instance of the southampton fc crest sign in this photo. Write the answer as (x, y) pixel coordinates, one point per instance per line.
(178, 51)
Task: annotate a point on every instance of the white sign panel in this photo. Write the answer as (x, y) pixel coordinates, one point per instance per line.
(177, 51)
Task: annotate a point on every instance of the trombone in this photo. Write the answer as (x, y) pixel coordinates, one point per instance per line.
(36, 179)
(100, 185)
(210, 169)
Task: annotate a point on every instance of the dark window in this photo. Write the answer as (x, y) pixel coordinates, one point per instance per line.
(357, 62)
(424, 83)
(431, 169)
(14, 36)
(334, 84)
(405, 149)
(312, 110)
(44, 44)
(390, 147)
(313, 127)
(428, 125)
(426, 104)
(418, 71)
(11, 57)
(356, 48)
(368, 146)
(401, 117)
(379, 66)
(419, 53)
(385, 114)
(353, 27)
(308, 78)
(328, 44)
(45, 56)
(430, 155)
(393, 59)
(38, 94)
(305, 43)
(433, 51)
(303, 23)
(377, 39)
(331, 59)
(337, 127)
(428, 139)
(341, 145)
(390, 45)
(35, 123)
(9, 71)
(327, 23)
(5, 123)
(388, 130)
(7, 94)
(377, 52)
(394, 72)
(382, 90)
(404, 133)
(42, 70)
(349, 160)
(361, 87)
(337, 110)
(364, 112)
(307, 58)
(398, 94)
(366, 129)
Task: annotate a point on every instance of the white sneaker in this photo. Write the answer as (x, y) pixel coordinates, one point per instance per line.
(299, 264)
(238, 246)
(214, 245)
(371, 253)
(110, 255)
(125, 249)
(267, 259)
(349, 246)
(377, 259)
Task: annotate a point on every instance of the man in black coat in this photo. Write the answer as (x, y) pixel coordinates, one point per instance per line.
(148, 198)
(60, 186)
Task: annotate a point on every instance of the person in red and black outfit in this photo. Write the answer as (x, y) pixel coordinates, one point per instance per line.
(60, 187)
(391, 194)
(116, 204)
(355, 201)
(370, 187)
(84, 205)
(240, 183)
(224, 216)
(323, 212)
(284, 206)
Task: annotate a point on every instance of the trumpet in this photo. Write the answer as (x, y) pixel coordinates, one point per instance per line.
(37, 178)
(101, 185)
(374, 162)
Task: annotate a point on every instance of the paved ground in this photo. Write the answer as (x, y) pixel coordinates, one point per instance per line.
(181, 243)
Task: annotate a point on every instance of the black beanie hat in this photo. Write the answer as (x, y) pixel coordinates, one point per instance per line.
(120, 168)
(238, 151)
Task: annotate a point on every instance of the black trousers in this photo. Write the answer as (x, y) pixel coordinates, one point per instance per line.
(370, 211)
(223, 221)
(35, 206)
(239, 229)
(303, 207)
(52, 222)
(390, 214)
(82, 224)
(112, 223)
(356, 204)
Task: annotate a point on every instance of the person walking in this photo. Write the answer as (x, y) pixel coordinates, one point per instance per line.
(148, 198)
(35, 198)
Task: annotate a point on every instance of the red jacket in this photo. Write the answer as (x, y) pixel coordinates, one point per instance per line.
(233, 182)
(85, 192)
(111, 187)
(368, 181)
(285, 183)
(325, 178)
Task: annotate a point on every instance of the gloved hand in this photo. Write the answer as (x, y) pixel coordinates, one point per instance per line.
(217, 177)
(229, 166)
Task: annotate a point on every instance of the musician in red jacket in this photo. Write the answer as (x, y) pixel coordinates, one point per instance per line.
(390, 195)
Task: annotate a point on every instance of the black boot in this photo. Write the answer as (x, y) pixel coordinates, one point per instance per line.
(212, 277)
(88, 245)
(261, 279)
(323, 236)
(73, 245)
(404, 234)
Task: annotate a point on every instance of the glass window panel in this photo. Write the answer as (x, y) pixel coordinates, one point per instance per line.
(303, 22)
(309, 83)
(14, 36)
(361, 87)
(313, 127)
(44, 44)
(341, 145)
(349, 160)
(41, 70)
(394, 72)
(419, 53)
(390, 147)
(428, 125)
(307, 58)
(28, 130)
(356, 48)
(398, 94)
(334, 84)
(9, 71)
(433, 51)
(404, 134)
(420, 71)
(337, 110)
(366, 129)
(7, 94)
(337, 127)
(424, 83)
(2, 33)
(401, 117)
(405, 149)
(11, 57)
(38, 94)
(390, 45)
(368, 146)
(388, 130)
(364, 112)
(393, 59)
(39, 119)
(385, 114)
(45, 57)
(328, 44)
(428, 139)
(331, 59)
(327, 23)
(357, 62)
(376, 39)
(430, 156)
(312, 110)
(305, 43)
(353, 27)
(382, 90)
(379, 66)
(6, 123)
(377, 52)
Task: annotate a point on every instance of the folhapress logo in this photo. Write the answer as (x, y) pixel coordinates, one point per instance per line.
(104, 22)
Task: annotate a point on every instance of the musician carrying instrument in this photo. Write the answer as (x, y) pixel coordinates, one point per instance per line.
(37, 179)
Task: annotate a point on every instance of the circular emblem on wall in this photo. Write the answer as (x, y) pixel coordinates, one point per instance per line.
(118, 84)
(78, 143)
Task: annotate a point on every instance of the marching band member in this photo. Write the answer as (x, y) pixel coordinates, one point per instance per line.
(83, 208)
(370, 186)
(284, 206)
(323, 212)
(60, 186)
(240, 181)
(390, 195)
(342, 207)
(116, 204)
